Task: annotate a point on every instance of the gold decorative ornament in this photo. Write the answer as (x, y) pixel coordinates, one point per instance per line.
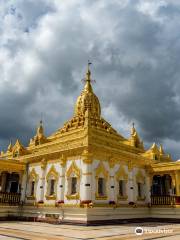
(112, 162)
(87, 157)
(121, 174)
(33, 175)
(51, 197)
(62, 160)
(73, 196)
(73, 169)
(52, 172)
(101, 170)
(98, 197)
(43, 163)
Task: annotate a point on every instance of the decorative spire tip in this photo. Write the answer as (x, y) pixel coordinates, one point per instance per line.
(88, 74)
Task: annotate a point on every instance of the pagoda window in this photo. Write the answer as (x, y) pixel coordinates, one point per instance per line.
(52, 180)
(52, 187)
(101, 186)
(73, 185)
(32, 188)
(32, 184)
(101, 182)
(140, 190)
(140, 181)
(73, 182)
(16, 154)
(73, 188)
(122, 188)
(121, 183)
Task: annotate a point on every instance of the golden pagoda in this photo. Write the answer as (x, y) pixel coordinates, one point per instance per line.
(88, 168)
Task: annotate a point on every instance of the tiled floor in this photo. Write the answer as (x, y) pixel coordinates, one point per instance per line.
(44, 231)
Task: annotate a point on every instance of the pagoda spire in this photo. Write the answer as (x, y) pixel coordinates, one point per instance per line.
(40, 137)
(10, 146)
(40, 129)
(88, 74)
(133, 130)
(161, 150)
(154, 148)
(87, 99)
(134, 139)
(88, 79)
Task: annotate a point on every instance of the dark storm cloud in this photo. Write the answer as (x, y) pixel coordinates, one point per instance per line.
(134, 46)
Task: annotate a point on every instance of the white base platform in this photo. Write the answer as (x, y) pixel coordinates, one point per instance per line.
(87, 215)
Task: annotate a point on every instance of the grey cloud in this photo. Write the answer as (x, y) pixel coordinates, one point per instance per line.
(135, 64)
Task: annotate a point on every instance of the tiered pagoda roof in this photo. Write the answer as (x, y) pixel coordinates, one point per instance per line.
(86, 130)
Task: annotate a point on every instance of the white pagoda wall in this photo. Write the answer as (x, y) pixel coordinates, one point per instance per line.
(86, 192)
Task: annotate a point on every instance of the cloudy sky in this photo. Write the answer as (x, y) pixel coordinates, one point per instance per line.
(135, 49)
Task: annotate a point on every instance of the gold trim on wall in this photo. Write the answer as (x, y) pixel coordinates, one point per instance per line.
(98, 197)
(33, 175)
(62, 160)
(112, 162)
(52, 172)
(50, 197)
(101, 169)
(43, 163)
(87, 157)
(73, 196)
(121, 174)
(73, 169)
(87, 173)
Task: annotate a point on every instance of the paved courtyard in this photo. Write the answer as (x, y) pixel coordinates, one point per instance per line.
(45, 231)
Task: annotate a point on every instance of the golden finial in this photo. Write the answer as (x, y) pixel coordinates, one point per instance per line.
(10, 146)
(154, 148)
(40, 129)
(88, 74)
(41, 121)
(161, 150)
(88, 80)
(133, 130)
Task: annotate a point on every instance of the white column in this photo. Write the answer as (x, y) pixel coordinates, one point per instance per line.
(131, 186)
(61, 184)
(86, 181)
(40, 188)
(112, 186)
(23, 185)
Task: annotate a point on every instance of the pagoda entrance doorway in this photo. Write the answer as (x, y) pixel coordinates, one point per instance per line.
(10, 188)
(162, 185)
(162, 191)
(14, 187)
(12, 184)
